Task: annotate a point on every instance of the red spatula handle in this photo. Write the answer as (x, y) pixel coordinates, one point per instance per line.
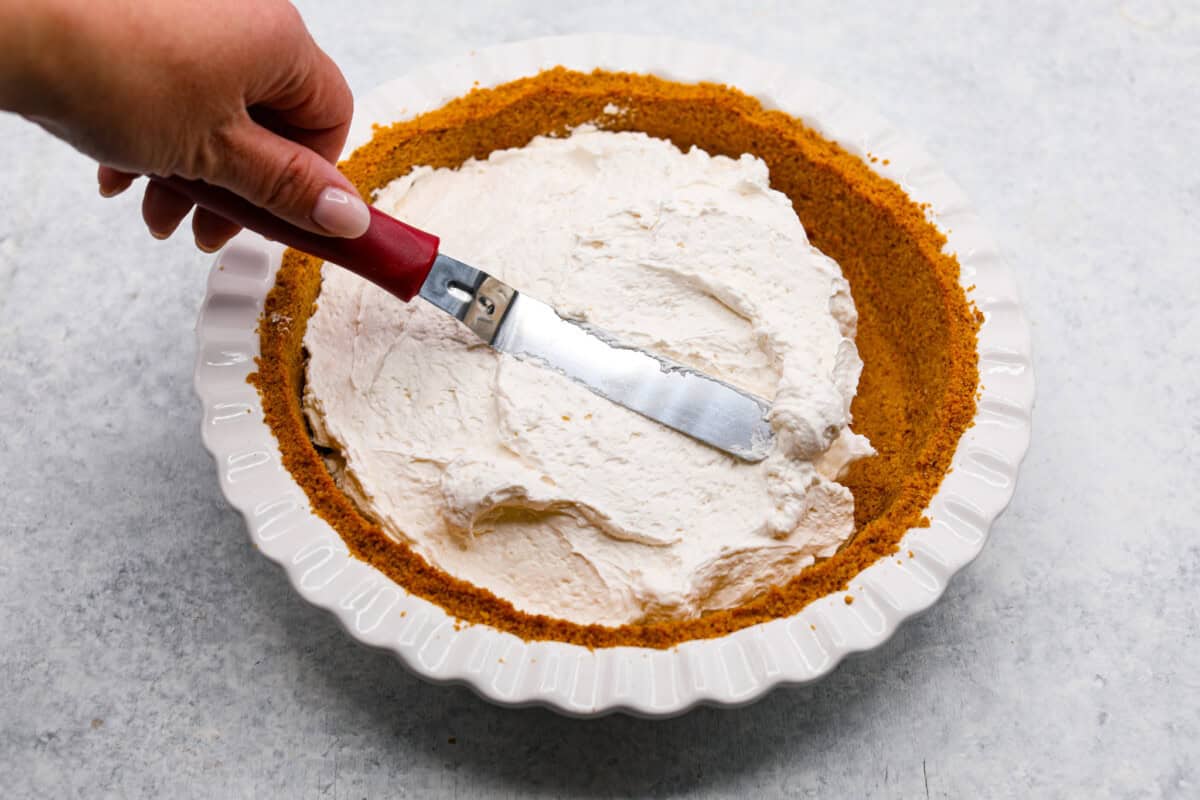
(393, 255)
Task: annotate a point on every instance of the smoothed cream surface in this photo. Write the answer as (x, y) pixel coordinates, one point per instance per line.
(509, 475)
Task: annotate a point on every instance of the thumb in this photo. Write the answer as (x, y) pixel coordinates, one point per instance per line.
(291, 181)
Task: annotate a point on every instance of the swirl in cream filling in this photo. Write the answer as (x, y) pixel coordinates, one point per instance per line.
(511, 476)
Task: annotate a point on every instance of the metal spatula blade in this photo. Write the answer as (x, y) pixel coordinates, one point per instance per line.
(676, 396)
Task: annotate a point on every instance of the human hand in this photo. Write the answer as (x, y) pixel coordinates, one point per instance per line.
(233, 93)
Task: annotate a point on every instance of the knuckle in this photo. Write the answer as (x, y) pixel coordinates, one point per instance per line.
(202, 159)
(279, 22)
(197, 163)
(287, 186)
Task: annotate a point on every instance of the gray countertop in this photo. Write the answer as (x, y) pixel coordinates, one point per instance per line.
(147, 650)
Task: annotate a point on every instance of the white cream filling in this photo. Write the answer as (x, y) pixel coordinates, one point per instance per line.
(512, 477)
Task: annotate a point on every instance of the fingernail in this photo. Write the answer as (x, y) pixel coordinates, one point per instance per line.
(112, 191)
(341, 213)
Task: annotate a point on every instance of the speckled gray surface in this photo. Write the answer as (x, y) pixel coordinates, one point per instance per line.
(146, 650)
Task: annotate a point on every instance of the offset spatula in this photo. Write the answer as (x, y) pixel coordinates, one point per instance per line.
(405, 262)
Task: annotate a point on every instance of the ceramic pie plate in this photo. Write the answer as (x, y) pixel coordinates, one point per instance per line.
(728, 671)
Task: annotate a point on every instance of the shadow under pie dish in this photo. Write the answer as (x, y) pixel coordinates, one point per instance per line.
(918, 335)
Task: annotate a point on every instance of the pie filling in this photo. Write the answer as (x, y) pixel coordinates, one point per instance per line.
(511, 476)
(686, 220)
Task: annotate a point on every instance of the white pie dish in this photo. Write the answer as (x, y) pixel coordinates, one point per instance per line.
(731, 670)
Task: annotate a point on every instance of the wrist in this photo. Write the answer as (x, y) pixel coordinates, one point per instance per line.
(33, 40)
